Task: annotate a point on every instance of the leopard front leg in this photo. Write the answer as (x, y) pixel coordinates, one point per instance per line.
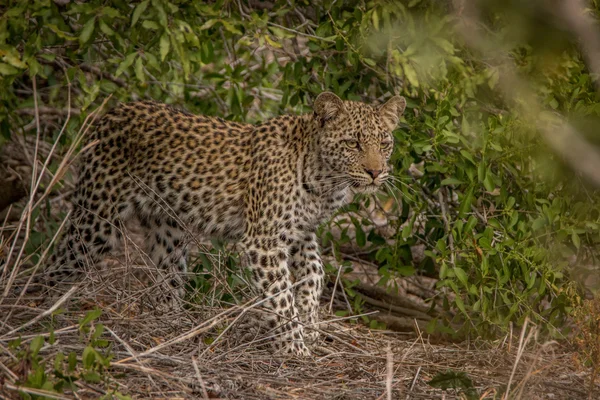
(271, 277)
(307, 267)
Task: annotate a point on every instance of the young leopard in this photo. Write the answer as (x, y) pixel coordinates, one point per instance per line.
(267, 186)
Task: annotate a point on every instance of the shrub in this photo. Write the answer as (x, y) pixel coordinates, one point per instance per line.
(503, 214)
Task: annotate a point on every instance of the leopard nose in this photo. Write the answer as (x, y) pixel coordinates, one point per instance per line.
(374, 173)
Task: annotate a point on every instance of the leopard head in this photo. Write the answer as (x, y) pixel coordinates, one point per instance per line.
(355, 139)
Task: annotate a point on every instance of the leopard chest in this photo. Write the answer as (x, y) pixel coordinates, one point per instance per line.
(311, 211)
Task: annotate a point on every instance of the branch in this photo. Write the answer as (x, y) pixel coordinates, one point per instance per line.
(103, 74)
(43, 110)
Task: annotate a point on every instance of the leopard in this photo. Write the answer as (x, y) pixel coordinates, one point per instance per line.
(265, 186)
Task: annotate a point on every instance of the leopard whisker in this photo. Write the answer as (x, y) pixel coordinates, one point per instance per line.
(343, 185)
(395, 179)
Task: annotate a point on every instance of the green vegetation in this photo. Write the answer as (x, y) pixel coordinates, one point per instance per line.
(505, 214)
(90, 366)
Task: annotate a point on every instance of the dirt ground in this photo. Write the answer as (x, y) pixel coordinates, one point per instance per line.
(193, 353)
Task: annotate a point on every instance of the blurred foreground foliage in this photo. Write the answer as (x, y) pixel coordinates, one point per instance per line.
(505, 218)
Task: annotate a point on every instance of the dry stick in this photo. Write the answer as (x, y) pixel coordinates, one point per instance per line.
(48, 311)
(37, 392)
(61, 331)
(521, 385)
(408, 312)
(522, 343)
(390, 371)
(148, 370)
(376, 292)
(42, 258)
(195, 364)
(192, 333)
(3, 227)
(337, 279)
(188, 335)
(43, 110)
(129, 350)
(414, 381)
(11, 375)
(300, 33)
(52, 149)
(329, 321)
(68, 159)
(4, 350)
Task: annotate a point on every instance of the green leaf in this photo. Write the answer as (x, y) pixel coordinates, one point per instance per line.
(35, 67)
(105, 28)
(443, 270)
(538, 223)
(138, 11)
(451, 181)
(230, 27)
(510, 203)
(465, 205)
(6, 69)
(165, 44)
(272, 42)
(361, 237)
(88, 357)
(375, 19)
(36, 344)
(462, 276)
(370, 62)
(13, 58)
(86, 32)
(150, 25)
(72, 361)
(59, 33)
(126, 63)
(208, 24)
(92, 377)
(460, 304)
(411, 74)
(481, 171)
(58, 360)
(485, 266)
(576, 240)
(139, 70)
(405, 270)
(162, 15)
(98, 331)
(444, 44)
(89, 317)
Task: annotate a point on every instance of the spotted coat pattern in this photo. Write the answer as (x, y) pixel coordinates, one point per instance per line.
(267, 186)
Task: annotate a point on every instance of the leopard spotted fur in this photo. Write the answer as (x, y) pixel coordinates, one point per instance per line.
(266, 186)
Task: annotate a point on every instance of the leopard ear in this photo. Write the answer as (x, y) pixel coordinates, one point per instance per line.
(392, 110)
(328, 106)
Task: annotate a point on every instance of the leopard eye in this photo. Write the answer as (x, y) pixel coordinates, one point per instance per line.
(351, 144)
(386, 145)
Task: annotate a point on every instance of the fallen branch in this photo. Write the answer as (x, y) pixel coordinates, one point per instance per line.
(375, 292)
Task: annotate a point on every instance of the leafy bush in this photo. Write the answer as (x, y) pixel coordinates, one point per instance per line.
(90, 366)
(503, 214)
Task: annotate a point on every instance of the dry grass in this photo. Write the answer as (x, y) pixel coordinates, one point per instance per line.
(167, 355)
